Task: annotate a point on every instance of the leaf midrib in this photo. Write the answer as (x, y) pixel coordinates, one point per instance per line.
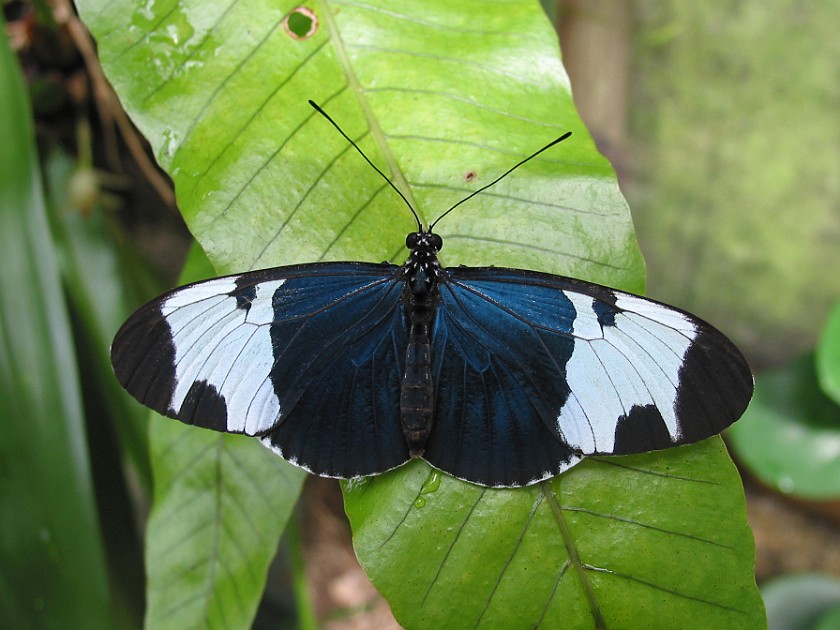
(574, 557)
(397, 176)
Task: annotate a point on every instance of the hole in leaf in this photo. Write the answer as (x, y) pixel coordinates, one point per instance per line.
(301, 23)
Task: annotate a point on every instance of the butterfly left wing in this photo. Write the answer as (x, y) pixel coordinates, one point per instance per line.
(308, 357)
(543, 369)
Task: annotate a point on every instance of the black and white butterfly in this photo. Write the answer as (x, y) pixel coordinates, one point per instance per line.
(501, 377)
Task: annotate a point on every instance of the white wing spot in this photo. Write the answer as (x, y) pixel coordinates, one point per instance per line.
(635, 362)
(228, 347)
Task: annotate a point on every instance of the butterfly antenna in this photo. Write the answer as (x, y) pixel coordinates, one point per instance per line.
(367, 159)
(502, 176)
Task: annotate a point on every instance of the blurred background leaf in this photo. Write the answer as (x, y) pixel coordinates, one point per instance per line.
(828, 356)
(789, 436)
(806, 601)
(53, 572)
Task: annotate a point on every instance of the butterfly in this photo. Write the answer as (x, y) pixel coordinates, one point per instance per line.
(500, 377)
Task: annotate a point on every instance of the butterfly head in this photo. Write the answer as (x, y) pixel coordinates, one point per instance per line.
(424, 242)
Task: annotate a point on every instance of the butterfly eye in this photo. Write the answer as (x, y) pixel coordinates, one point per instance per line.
(411, 240)
(436, 242)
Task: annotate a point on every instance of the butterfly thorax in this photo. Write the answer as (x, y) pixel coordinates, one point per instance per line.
(420, 298)
(422, 268)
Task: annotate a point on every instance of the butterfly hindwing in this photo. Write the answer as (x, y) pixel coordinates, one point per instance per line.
(534, 370)
(491, 404)
(308, 357)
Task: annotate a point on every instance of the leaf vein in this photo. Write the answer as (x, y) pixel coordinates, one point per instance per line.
(530, 246)
(472, 64)
(655, 473)
(574, 556)
(352, 219)
(663, 530)
(429, 23)
(534, 202)
(663, 589)
(452, 544)
(312, 185)
(462, 99)
(509, 559)
(256, 111)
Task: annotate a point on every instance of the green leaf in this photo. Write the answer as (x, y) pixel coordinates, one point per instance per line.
(444, 97)
(444, 100)
(800, 602)
(52, 567)
(220, 504)
(828, 356)
(789, 436)
(630, 542)
(830, 620)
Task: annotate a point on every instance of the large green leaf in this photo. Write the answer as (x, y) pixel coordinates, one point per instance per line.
(52, 567)
(444, 97)
(630, 542)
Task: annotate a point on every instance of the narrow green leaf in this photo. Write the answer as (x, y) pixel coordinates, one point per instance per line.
(52, 568)
(220, 504)
(828, 356)
(95, 280)
(789, 436)
(630, 542)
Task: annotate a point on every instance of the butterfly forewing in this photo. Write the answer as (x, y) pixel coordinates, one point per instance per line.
(308, 357)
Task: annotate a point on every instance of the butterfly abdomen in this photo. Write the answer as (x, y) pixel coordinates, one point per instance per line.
(417, 391)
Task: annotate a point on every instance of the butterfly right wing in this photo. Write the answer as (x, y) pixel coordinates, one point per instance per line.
(308, 357)
(534, 370)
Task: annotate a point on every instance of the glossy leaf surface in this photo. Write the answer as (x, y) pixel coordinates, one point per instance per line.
(587, 549)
